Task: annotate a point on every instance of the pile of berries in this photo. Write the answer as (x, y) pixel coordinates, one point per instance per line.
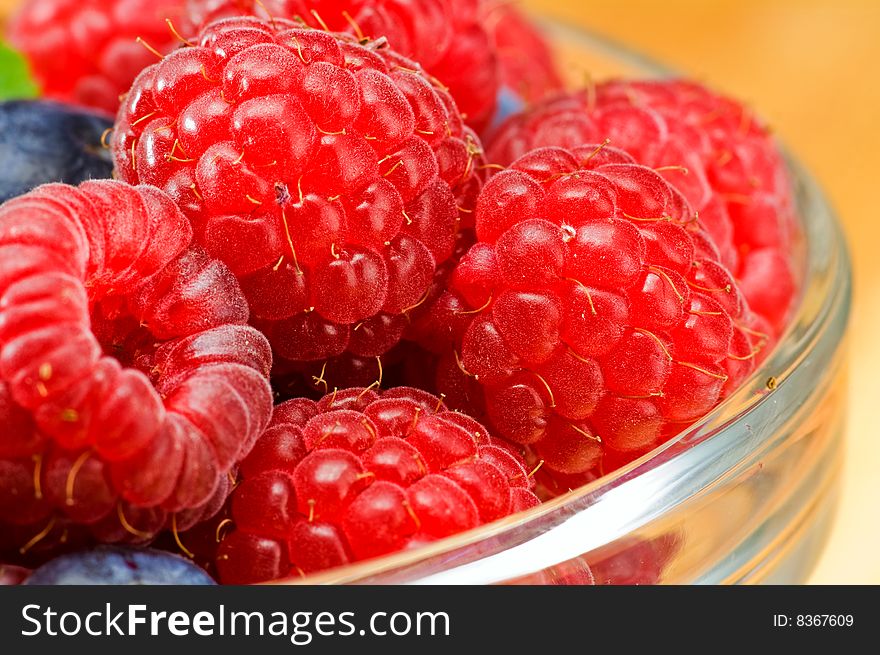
(312, 320)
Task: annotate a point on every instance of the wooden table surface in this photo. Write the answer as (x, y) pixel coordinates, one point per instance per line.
(810, 67)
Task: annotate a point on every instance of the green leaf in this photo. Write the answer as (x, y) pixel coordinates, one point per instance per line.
(15, 80)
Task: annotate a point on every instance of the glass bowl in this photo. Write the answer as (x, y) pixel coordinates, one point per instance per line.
(746, 495)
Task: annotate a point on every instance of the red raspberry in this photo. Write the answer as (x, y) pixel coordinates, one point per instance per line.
(359, 474)
(129, 385)
(86, 51)
(592, 317)
(574, 572)
(710, 147)
(327, 174)
(393, 368)
(12, 575)
(638, 561)
(525, 61)
(445, 36)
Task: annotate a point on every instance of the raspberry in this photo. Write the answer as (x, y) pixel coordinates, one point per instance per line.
(12, 575)
(445, 36)
(592, 319)
(360, 474)
(339, 165)
(637, 561)
(129, 385)
(525, 61)
(86, 51)
(574, 572)
(710, 147)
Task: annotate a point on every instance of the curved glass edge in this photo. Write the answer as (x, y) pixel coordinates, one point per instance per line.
(615, 506)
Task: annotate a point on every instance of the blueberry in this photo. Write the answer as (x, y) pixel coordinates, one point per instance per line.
(113, 565)
(42, 141)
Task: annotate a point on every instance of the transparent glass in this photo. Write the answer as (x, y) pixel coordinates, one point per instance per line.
(746, 495)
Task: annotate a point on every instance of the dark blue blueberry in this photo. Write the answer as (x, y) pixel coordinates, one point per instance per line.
(114, 565)
(42, 141)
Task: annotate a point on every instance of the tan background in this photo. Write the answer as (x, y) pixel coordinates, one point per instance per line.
(810, 67)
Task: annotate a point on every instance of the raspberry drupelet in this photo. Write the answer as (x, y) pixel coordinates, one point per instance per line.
(359, 474)
(327, 174)
(592, 318)
(446, 37)
(130, 384)
(88, 52)
(720, 155)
